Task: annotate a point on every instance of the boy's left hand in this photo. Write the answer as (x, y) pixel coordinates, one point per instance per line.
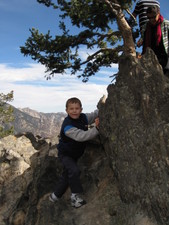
(97, 122)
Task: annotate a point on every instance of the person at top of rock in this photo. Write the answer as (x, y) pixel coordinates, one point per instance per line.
(156, 36)
(73, 136)
(141, 9)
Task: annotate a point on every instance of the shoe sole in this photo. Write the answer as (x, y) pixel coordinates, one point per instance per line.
(78, 205)
(51, 199)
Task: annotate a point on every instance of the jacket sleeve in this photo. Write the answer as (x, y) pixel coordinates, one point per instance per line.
(165, 35)
(81, 135)
(92, 116)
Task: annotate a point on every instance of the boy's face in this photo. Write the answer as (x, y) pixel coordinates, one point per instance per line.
(74, 110)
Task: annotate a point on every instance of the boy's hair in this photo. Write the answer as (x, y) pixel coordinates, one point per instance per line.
(153, 9)
(73, 100)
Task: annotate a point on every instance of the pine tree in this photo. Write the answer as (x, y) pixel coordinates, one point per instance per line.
(6, 114)
(101, 27)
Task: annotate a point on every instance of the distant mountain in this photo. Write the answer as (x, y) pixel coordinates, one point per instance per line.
(38, 123)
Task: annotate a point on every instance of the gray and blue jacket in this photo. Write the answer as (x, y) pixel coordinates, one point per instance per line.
(74, 134)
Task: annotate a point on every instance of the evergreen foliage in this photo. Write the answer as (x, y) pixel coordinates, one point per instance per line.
(96, 29)
(6, 114)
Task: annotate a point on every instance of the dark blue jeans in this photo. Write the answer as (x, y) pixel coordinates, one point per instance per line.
(70, 177)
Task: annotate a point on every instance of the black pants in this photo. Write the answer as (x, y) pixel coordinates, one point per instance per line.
(70, 177)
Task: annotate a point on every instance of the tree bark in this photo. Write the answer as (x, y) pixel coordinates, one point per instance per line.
(125, 29)
(129, 46)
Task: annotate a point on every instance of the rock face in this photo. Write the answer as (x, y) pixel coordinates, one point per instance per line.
(28, 175)
(135, 133)
(124, 171)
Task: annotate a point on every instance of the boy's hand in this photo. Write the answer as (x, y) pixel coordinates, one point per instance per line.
(97, 122)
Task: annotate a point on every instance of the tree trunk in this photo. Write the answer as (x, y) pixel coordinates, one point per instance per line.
(125, 29)
(129, 46)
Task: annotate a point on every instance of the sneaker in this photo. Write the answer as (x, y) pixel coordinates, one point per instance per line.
(53, 197)
(77, 202)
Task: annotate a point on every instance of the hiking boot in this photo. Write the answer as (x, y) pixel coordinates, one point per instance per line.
(53, 197)
(77, 202)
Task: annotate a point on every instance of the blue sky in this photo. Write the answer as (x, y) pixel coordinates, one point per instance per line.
(26, 78)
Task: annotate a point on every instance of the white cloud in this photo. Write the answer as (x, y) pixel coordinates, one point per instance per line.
(31, 72)
(32, 90)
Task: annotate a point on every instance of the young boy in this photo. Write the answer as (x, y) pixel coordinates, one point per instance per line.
(73, 136)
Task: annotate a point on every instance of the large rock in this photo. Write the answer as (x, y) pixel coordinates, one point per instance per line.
(24, 196)
(135, 133)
